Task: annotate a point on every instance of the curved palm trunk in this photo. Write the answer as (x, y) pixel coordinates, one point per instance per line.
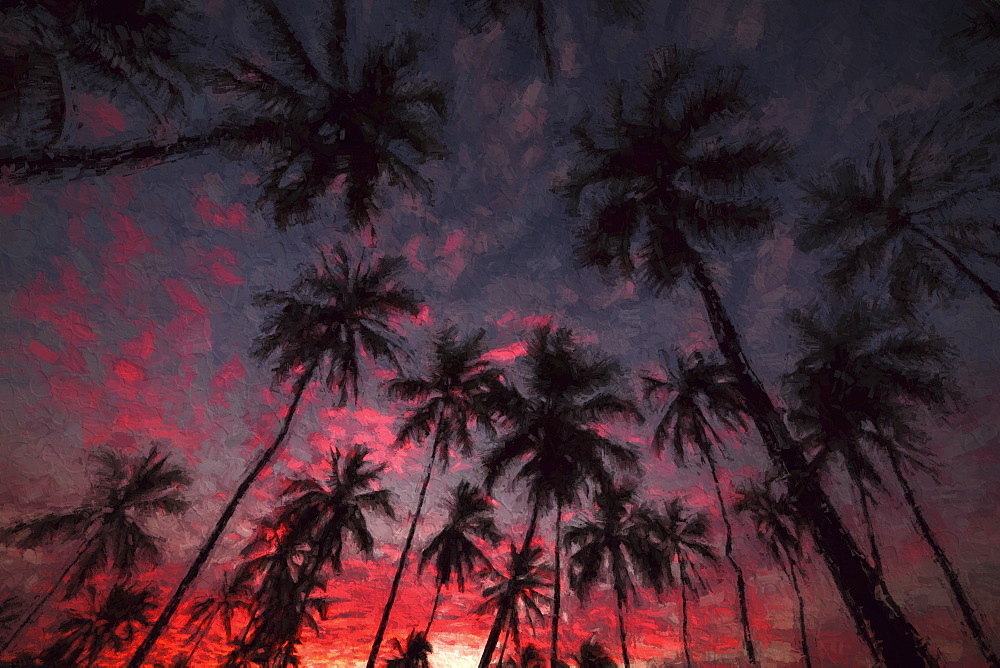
(503, 611)
(968, 612)
(741, 586)
(988, 290)
(621, 628)
(380, 633)
(898, 643)
(556, 589)
(55, 586)
(684, 620)
(434, 608)
(206, 550)
(792, 567)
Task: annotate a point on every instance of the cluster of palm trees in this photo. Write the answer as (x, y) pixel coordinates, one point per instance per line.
(675, 170)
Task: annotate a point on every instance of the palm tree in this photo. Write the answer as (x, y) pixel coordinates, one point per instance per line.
(484, 15)
(682, 539)
(695, 392)
(911, 208)
(332, 315)
(778, 530)
(230, 595)
(860, 381)
(113, 622)
(108, 525)
(315, 521)
(554, 436)
(665, 179)
(452, 549)
(315, 123)
(529, 656)
(11, 608)
(593, 655)
(617, 541)
(456, 391)
(413, 654)
(515, 590)
(131, 44)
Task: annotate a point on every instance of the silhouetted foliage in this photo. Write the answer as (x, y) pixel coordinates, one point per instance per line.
(412, 654)
(592, 654)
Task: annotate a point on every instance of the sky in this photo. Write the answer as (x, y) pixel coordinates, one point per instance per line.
(127, 318)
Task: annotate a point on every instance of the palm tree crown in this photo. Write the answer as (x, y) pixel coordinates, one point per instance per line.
(516, 589)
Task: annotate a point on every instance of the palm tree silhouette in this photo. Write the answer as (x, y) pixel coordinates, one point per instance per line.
(108, 524)
(484, 15)
(332, 315)
(318, 123)
(912, 208)
(132, 44)
(452, 549)
(682, 539)
(11, 608)
(515, 590)
(554, 437)
(229, 596)
(455, 392)
(617, 541)
(529, 656)
(111, 622)
(314, 523)
(673, 171)
(413, 654)
(592, 654)
(695, 392)
(778, 530)
(861, 379)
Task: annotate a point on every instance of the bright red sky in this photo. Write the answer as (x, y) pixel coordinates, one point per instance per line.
(128, 319)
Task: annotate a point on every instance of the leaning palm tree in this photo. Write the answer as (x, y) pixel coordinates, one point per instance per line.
(108, 524)
(856, 391)
(697, 392)
(334, 314)
(111, 622)
(676, 168)
(616, 541)
(516, 589)
(315, 522)
(682, 540)
(913, 209)
(781, 534)
(412, 654)
(452, 549)
(457, 391)
(316, 121)
(555, 440)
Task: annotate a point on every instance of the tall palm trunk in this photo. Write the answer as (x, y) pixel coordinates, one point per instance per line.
(988, 290)
(968, 612)
(741, 586)
(42, 601)
(620, 591)
(684, 619)
(870, 527)
(898, 643)
(503, 646)
(394, 589)
(434, 608)
(503, 610)
(792, 567)
(556, 589)
(206, 550)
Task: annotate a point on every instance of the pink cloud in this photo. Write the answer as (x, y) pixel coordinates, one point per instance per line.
(13, 198)
(98, 117)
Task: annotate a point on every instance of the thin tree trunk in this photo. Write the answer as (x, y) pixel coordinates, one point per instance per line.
(870, 526)
(502, 611)
(206, 550)
(897, 642)
(556, 589)
(684, 620)
(41, 603)
(621, 630)
(988, 290)
(394, 589)
(437, 600)
(202, 632)
(544, 45)
(503, 645)
(741, 587)
(968, 612)
(792, 567)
